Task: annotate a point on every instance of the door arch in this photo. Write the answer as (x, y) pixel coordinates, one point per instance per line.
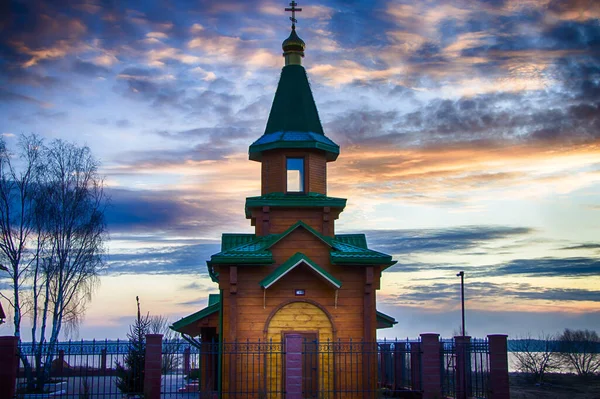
(307, 319)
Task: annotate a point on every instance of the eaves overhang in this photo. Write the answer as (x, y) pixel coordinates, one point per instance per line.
(293, 262)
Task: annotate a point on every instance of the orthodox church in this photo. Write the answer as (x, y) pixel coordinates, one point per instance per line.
(294, 274)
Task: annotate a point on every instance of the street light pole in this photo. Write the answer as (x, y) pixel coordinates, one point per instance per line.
(461, 274)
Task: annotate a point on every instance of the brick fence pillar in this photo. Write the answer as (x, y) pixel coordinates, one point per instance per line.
(499, 383)
(431, 366)
(9, 362)
(463, 366)
(152, 366)
(293, 366)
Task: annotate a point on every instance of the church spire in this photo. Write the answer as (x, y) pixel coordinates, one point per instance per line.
(294, 121)
(293, 47)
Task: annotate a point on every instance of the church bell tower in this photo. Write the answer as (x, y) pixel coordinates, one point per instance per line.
(294, 153)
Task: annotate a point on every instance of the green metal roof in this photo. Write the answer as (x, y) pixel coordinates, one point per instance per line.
(214, 299)
(358, 240)
(294, 120)
(297, 259)
(234, 240)
(345, 249)
(344, 253)
(384, 320)
(282, 200)
(213, 307)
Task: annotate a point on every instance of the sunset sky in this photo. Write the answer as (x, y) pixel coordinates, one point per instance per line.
(469, 134)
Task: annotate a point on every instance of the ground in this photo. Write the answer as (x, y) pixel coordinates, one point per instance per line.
(555, 386)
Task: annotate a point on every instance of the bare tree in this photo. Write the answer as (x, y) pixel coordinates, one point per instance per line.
(580, 350)
(52, 234)
(171, 359)
(535, 357)
(17, 215)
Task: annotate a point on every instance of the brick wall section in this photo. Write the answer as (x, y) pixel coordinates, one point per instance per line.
(152, 367)
(293, 366)
(8, 366)
(430, 366)
(499, 383)
(462, 344)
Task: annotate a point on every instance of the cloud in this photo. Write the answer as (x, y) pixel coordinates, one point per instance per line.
(8, 96)
(582, 246)
(440, 240)
(185, 259)
(160, 212)
(486, 292)
(89, 68)
(548, 267)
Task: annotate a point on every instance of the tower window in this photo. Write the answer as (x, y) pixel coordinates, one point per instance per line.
(295, 175)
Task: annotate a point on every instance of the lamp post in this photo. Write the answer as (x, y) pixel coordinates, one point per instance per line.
(461, 274)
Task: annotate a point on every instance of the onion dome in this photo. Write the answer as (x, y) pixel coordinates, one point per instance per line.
(293, 43)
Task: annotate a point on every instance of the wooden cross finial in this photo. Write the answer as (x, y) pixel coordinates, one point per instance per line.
(293, 9)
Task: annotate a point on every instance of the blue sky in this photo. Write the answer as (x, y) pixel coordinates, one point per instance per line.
(469, 134)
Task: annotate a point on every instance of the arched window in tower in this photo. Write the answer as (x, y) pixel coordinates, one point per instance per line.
(295, 175)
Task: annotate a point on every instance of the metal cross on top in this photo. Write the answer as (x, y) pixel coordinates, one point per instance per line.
(293, 9)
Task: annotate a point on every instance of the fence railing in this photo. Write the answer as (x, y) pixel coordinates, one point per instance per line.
(332, 369)
(256, 369)
(465, 368)
(74, 369)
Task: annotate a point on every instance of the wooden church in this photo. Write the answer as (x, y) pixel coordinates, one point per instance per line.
(294, 274)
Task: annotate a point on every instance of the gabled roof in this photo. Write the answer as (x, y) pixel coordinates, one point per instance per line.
(282, 200)
(235, 240)
(298, 259)
(344, 249)
(344, 253)
(214, 306)
(358, 240)
(294, 120)
(278, 237)
(385, 321)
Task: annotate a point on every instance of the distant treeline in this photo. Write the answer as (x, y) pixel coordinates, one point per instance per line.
(558, 346)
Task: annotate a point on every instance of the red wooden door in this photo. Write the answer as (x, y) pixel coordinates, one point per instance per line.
(310, 365)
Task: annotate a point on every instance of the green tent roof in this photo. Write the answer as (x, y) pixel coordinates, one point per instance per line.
(294, 120)
(297, 259)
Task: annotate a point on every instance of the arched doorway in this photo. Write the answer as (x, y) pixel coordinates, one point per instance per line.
(314, 325)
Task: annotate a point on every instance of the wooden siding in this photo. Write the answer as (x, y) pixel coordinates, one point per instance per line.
(254, 305)
(274, 173)
(251, 313)
(280, 219)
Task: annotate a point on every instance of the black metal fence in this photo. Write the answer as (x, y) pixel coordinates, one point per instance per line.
(256, 369)
(191, 369)
(73, 369)
(465, 368)
(448, 365)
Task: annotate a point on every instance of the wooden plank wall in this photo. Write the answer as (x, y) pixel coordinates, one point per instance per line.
(274, 173)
